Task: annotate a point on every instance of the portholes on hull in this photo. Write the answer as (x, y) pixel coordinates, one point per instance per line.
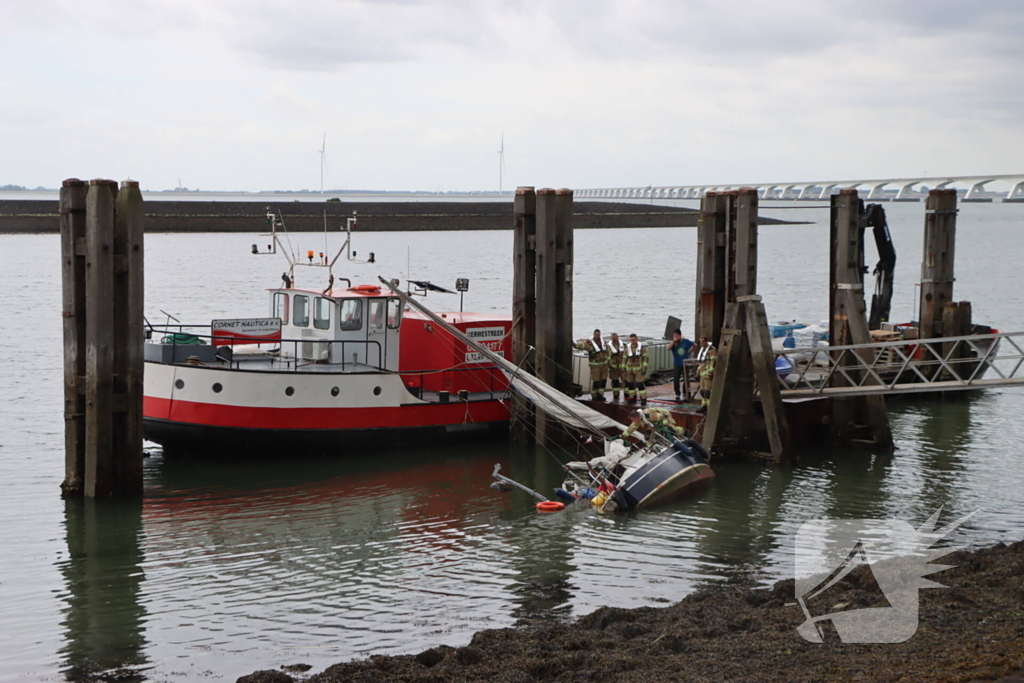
(289, 391)
(335, 391)
(217, 387)
(179, 384)
(376, 391)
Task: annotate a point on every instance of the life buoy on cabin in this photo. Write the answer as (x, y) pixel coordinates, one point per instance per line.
(550, 506)
(364, 288)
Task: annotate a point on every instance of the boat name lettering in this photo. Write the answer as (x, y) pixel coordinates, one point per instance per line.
(245, 330)
(480, 334)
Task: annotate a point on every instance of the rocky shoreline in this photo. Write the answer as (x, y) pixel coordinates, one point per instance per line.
(972, 630)
(40, 216)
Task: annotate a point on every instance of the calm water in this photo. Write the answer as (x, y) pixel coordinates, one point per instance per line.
(229, 567)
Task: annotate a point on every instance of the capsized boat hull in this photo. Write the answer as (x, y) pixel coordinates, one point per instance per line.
(667, 476)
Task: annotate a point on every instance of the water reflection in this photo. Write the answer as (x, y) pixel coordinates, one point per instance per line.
(103, 619)
(541, 548)
(252, 563)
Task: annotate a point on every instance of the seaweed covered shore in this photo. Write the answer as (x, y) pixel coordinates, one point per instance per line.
(972, 630)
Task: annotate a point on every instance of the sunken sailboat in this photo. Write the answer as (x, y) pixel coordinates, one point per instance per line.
(627, 476)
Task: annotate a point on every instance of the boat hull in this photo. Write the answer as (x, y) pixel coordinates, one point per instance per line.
(182, 437)
(667, 476)
(224, 410)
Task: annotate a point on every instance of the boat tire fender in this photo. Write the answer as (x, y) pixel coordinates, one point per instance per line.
(565, 496)
(698, 449)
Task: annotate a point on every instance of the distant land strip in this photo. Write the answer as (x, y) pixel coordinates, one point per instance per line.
(40, 216)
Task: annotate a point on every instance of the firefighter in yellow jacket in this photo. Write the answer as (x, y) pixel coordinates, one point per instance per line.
(616, 351)
(706, 354)
(598, 356)
(634, 370)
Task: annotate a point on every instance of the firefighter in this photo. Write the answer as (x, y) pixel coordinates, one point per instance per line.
(634, 370)
(654, 419)
(706, 355)
(616, 347)
(597, 355)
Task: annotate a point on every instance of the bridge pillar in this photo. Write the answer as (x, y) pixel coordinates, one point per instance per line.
(977, 192)
(860, 419)
(877, 193)
(905, 193)
(1016, 193)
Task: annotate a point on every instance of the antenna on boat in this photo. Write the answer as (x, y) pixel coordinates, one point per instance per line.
(314, 260)
(501, 163)
(169, 318)
(323, 161)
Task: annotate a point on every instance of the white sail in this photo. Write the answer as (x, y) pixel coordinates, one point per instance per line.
(557, 404)
(543, 395)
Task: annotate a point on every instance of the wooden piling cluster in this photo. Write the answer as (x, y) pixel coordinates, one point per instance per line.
(542, 303)
(103, 288)
(939, 314)
(937, 265)
(863, 418)
(727, 279)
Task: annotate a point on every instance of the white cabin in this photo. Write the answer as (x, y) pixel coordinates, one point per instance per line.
(358, 325)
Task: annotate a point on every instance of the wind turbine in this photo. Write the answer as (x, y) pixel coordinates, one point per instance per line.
(323, 161)
(501, 163)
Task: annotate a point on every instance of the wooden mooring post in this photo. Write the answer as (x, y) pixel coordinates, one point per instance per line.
(102, 271)
(745, 352)
(937, 265)
(524, 304)
(711, 265)
(554, 298)
(861, 419)
(939, 314)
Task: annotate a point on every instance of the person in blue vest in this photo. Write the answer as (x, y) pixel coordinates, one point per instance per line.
(680, 350)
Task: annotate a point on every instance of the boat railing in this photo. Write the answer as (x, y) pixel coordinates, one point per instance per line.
(291, 354)
(479, 377)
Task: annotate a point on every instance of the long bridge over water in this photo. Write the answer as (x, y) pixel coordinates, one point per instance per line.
(878, 189)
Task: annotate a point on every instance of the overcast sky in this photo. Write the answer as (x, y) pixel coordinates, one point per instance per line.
(237, 94)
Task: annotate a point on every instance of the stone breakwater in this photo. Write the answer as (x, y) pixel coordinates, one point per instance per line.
(40, 216)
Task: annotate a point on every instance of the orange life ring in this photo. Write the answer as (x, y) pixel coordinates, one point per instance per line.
(364, 288)
(550, 506)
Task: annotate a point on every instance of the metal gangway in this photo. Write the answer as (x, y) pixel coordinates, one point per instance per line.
(904, 367)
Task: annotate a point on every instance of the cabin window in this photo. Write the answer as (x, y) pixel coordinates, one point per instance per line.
(394, 313)
(300, 315)
(281, 306)
(351, 315)
(377, 313)
(322, 313)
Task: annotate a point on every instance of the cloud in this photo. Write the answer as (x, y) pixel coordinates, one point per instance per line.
(605, 92)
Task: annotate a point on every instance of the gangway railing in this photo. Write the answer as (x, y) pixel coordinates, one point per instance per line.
(904, 367)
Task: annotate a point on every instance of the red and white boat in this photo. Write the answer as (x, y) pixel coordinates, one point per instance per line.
(325, 369)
